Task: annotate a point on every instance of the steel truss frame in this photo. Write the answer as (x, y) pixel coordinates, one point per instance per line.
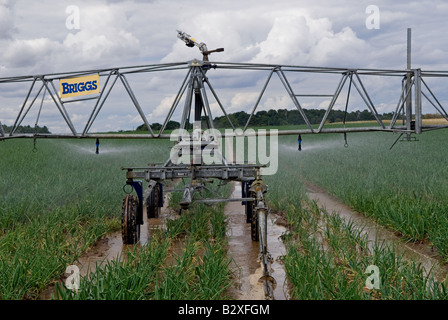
(199, 174)
(413, 84)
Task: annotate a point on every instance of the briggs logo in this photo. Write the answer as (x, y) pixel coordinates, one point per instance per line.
(79, 86)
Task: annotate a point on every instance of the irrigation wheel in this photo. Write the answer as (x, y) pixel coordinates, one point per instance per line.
(251, 217)
(130, 229)
(248, 204)
(152, 204)
(254, 223)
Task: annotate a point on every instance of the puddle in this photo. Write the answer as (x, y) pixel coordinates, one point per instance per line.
(243, 250)
(420, 253)
(244, 253)
(111, 247)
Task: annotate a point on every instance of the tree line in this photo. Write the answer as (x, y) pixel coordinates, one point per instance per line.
(280, 117)
(283, 117)
(26, 129)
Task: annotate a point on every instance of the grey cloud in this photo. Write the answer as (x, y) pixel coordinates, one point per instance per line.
(6, 20)
(113, 33)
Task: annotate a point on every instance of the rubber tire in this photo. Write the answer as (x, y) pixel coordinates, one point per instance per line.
(254, 227)
(152, 204)
(250, 206)
(251, 216)
(130, 229)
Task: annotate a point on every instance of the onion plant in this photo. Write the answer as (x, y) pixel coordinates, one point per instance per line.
(56, 202)
(188, 260)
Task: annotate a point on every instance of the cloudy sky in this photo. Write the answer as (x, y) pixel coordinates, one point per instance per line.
(40, 37)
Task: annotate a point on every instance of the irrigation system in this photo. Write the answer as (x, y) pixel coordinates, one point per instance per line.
(190, 142)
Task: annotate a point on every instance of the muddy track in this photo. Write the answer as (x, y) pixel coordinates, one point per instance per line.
(244, 253)
(242, 250)
(111, 247)
(419, 252)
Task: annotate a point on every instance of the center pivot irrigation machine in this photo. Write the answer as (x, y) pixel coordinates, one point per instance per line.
(145, 185)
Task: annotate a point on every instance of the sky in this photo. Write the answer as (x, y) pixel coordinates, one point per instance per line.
(41, 37)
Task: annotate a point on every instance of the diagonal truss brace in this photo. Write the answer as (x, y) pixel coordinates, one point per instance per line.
(415, 87)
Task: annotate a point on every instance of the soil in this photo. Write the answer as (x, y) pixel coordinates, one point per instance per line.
(422, 253)
(242, 249)
(244, 253)
(110, 247)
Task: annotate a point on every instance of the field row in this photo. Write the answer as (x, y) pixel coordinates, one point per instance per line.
(188, 261)
(403, 189)
(56, 202)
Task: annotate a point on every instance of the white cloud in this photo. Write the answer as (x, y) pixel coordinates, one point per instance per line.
(244, 100)
(163, 108)
(29, 53)
(6, 20)
(297, 39)
(104, 35)
(34, 39)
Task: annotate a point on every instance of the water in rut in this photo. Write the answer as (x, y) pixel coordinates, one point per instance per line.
(421, 253)
(244, 253)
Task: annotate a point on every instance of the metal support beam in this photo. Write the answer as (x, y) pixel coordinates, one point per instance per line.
(333, 101)
(94, 112)
(196, 77)
(135, 101)
(176, 101)
(26, 112)
(259, 98)
(14, 127)
(219, 102)
(418, 101)
(409, 74)
(288, 88)
(439, 106)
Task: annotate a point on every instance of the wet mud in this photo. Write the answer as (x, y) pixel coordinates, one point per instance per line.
(419, 252)
(110, 247)
(244, 253)
(242, 250)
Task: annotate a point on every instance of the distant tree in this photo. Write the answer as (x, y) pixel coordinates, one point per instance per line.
(280, 117)
(26, 129)
(171, 125)
(241, 118)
